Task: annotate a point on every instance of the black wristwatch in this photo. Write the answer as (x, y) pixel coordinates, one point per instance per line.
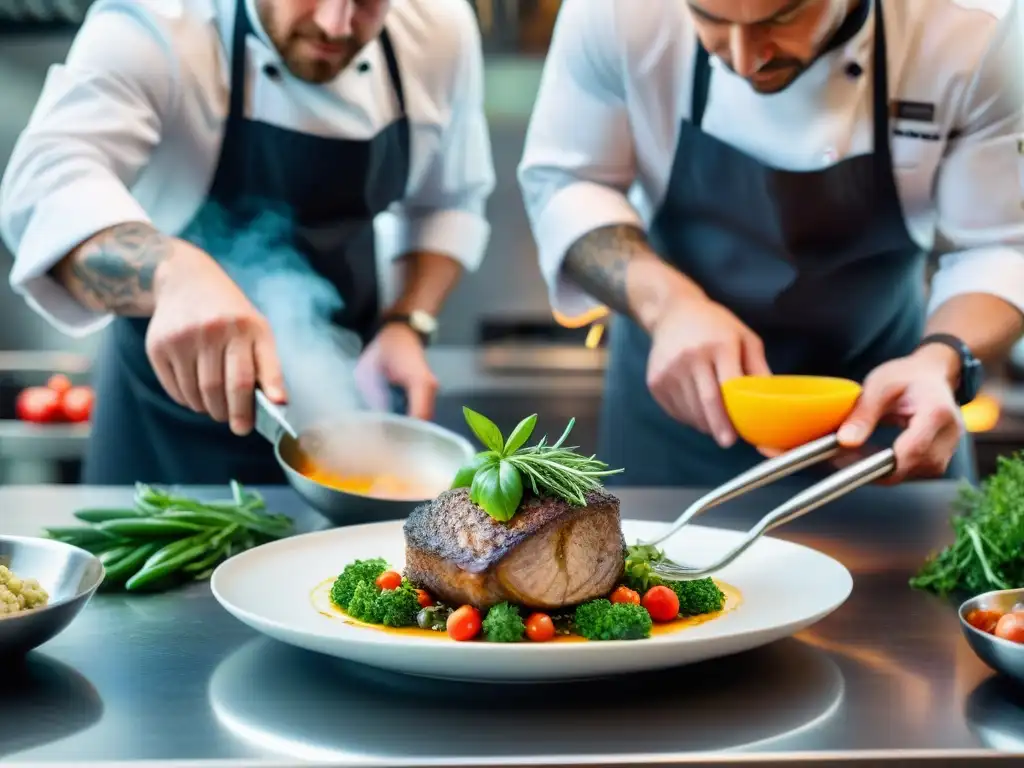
(971, 371)
(423, 323)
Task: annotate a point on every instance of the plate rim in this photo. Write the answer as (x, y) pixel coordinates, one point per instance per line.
(398, 641)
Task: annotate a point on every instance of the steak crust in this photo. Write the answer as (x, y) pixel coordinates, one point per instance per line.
(551, 554)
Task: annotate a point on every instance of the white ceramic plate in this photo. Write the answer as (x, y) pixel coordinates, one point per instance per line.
(784, 587)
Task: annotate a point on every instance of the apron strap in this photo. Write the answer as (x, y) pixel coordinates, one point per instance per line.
(392, 61)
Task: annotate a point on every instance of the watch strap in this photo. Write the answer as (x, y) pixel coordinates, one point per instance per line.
(970, 366)
(407, 320)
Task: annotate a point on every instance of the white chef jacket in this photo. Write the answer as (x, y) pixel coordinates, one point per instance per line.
(129, 129)
(617, 83)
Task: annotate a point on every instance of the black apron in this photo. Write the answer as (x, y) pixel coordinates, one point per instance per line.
(332, 189)
(818, 263)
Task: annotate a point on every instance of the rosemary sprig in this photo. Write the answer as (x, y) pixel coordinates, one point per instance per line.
(496, 476)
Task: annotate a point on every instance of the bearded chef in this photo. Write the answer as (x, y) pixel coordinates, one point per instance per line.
(754, 187)
(169, 112)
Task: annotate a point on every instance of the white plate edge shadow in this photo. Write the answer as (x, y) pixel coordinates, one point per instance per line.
(742, 639)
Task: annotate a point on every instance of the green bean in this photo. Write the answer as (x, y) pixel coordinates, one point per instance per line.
(208, 561)
(204, 575)
(79, 535)
(102, 515)
(172, 549)
(112, 555)
(205, 519)
(154, 573)
(148, 527)
(130, 563)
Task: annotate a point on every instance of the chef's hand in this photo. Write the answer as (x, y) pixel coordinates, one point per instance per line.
(696, 345)
(916, 394)
(396, 356)
(208, 344)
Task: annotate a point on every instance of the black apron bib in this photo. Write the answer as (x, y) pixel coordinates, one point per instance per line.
(818, 263)
(332, 189)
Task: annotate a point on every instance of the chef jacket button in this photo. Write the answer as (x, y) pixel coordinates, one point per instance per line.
(854, 70)
(272, 72)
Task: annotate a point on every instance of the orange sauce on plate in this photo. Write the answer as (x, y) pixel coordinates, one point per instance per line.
(321, 600)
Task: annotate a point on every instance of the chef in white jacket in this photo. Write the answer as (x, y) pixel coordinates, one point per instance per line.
(174, 125)
(753, 186)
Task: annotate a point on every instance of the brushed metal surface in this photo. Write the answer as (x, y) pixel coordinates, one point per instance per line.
(1002, 655)
(70, 577)
(888, 678)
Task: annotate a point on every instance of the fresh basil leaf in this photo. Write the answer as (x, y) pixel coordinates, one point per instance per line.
(485, 429)
(464, 477)
(497, 489)
(520, 434)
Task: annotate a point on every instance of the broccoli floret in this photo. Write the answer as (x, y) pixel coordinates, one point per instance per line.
(355, 573)
(503, 624)
(397, 607)
(697, 597)
(603, 620)
(363, 605)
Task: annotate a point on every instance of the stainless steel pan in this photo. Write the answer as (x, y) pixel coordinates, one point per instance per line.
(363, 443)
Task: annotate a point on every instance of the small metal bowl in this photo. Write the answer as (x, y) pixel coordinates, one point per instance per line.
(70, 577)
(1003, 656)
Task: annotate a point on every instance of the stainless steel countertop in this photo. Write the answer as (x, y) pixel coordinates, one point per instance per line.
(175, 678)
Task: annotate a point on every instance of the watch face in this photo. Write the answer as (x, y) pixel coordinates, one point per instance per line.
(423, 322)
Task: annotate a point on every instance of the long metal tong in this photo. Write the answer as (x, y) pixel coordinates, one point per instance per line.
(839, 484)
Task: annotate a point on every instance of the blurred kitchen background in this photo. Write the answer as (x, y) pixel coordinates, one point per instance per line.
(499, 352)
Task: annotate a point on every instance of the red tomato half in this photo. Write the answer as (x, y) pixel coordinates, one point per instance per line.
(38, 404)
(77, 404)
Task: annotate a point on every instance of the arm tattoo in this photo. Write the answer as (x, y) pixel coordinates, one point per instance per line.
(598, 262)
(114, 272)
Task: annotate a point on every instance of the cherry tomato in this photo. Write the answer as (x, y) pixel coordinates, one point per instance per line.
(424, 598)
(59, 383)
(464, 623)
(985, 621)
(539, 627)
(38, 404)
(662, 603)
(389, 580)
(625, 595)
(1011, 627)
(77, 404)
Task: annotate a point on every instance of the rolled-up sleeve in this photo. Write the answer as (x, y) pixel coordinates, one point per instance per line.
(447, 212)
(980, 185)
(92, 130)
(578, 163)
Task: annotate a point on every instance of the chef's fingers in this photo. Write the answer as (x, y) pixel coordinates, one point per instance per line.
(268, 367)
(754, 361)
(164, 371)
(186, 374)
(240, 383)
(419, 394)
(210, 373)
(876, 398)
(927, 445)
(676, 397)
(709, 394)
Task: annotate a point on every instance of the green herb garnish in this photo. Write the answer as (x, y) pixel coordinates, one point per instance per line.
(988, 550)
(496, 477)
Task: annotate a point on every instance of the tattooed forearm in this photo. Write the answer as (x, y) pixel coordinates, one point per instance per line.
(599, 261)
(114, 271)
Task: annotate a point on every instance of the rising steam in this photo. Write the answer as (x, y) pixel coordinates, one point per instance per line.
(317, 357)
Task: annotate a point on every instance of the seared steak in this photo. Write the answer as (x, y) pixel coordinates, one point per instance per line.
(549, 555)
